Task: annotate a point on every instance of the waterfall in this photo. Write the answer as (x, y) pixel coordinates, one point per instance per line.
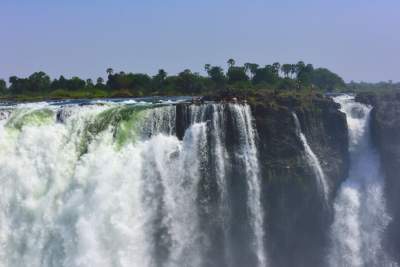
(245, 155)
(360, 217)
(249, 152)
(312, 160)
(110, 184)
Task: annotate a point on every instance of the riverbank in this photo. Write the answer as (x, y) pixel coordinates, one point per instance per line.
(262, 96)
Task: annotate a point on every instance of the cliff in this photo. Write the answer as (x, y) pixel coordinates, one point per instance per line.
(385, 129)
(295, 209)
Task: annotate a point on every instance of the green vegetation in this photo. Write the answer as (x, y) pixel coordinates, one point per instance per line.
(380, 87)
(250, 77)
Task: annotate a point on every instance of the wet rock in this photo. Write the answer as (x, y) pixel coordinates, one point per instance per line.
(294, 207)
(385, 130)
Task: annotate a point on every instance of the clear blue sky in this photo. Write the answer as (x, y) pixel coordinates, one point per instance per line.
(358, 39)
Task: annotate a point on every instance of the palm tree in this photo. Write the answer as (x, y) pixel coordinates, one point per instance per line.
(276, 66)
(162, 74)
(89, 82)
(3, 86)
(247, 67)
(286, 68)
(300, 66)
(110, 71)
(207, 67)
(99, 80)
(231, 62)
(292, 70)
(252, 68)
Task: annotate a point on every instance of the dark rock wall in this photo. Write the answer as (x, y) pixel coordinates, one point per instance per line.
(297, 219)
(385, 130)
(326, 130)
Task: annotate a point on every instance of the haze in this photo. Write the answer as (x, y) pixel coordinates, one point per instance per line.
(356, 39)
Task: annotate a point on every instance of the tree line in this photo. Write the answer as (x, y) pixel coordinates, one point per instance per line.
(376, 87)
(249, 76)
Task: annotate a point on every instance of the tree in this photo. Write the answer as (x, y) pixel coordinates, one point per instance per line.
(265, 75)
(18, 85)
(99, 81)
(286, 68)
(133, 81)
(217, 75)
(276, 67)
(251, 68)
(186, 82)
(13, 79)
(38, 82)
(327, 80)
(299, 67)
(189, 83)
(120, 80)
(60, 83)
(139, 81)
(304, 74)
(231, 62)
(89, 82)
(237, 74)
(162, 74)
(110, 71)
(159, 79)
(247, 67)
(207, 67)
(3, 87)
(286, 84)
(75, 83)
(292, 70)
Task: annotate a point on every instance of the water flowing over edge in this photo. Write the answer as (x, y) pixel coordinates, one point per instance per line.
(360, 216)
(313, 161)
(112, 185)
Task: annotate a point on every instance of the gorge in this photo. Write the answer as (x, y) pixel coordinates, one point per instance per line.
(275, 181)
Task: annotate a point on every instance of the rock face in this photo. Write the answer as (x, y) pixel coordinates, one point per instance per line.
(385, 129)
(295, 210)
(294, 207)
(182, 120)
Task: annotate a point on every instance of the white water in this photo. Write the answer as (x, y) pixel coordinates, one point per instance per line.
(248, 155)
(312, 160)
(249, 152)
(95, 191)
(360, 217)
(221, 157)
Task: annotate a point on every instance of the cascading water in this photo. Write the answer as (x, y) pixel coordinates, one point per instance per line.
(360, 218)
(249, 152)
(312, 160)
(112, 185)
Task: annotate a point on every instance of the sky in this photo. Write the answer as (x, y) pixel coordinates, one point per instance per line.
(358, 39)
